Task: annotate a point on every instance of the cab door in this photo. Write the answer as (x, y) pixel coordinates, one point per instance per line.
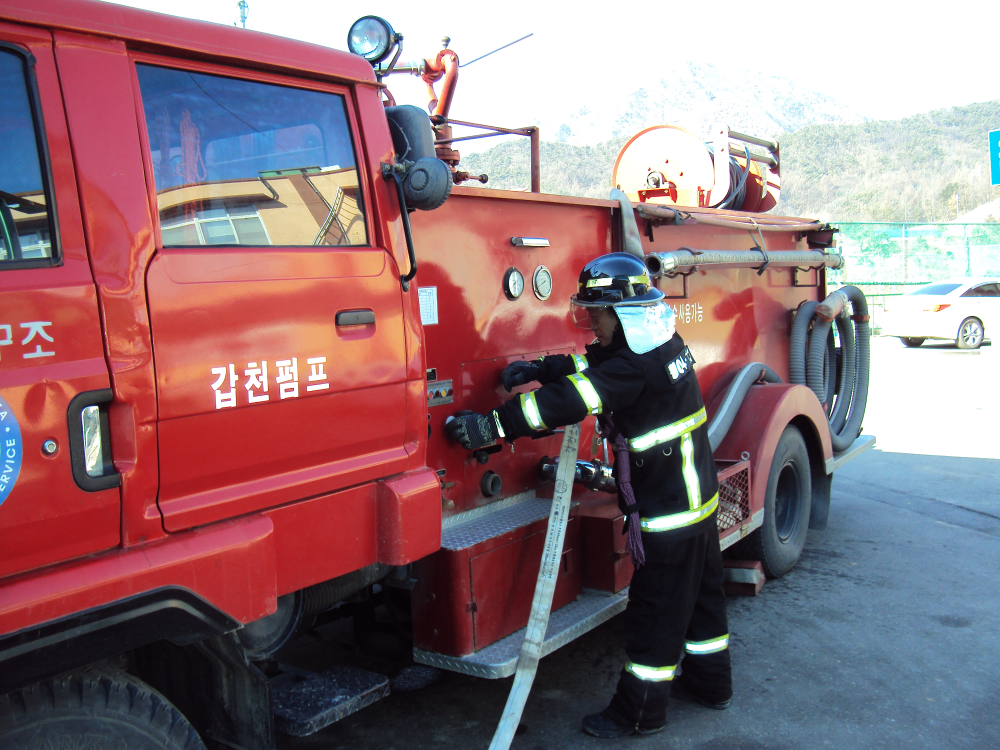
(58, 487)
(277, 326)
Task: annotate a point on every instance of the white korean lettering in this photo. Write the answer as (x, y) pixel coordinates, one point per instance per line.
(37, 327)
(224, 399)
(6, 335)
(256, 381)
(316, 374)
(689, 312)
(288, 377)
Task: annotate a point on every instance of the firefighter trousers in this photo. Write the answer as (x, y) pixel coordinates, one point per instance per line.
(676, 609)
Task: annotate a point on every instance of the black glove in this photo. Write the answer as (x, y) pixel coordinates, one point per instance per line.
(519, 373)
(473, 431)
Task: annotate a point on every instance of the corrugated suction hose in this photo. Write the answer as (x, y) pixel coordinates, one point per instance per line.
(841, 388)
(845, 401)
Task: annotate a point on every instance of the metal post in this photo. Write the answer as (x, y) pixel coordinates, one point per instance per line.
(968, 254)
(536, 169)
(906, 265)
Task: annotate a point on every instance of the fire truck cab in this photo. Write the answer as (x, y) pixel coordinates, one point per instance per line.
(228, 350)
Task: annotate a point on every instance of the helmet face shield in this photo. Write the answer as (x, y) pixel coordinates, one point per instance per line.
(584, 315)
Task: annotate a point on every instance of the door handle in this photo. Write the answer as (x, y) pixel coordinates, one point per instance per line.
(90, 441)
(355, 317)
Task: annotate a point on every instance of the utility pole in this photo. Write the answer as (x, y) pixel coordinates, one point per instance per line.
(244, 7)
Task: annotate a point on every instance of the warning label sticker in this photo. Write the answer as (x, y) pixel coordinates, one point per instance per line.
(428, 296)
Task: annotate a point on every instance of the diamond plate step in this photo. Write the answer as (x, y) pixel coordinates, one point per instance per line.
(499, 659)
(305, 702)
(471, 528)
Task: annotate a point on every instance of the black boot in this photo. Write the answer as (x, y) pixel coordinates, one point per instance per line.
(638, 705)
(681, 690)
(602, 725)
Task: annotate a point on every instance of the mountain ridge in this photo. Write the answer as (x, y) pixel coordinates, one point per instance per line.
(926, 167)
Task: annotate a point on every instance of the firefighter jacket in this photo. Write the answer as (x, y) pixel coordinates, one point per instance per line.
(655, 402)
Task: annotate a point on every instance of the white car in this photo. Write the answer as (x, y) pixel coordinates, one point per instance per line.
(959, 310)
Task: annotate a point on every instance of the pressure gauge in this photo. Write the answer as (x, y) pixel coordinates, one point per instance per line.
(541, 282)
(513, 283)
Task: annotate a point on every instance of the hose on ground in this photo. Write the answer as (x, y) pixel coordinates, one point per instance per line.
(545, 587)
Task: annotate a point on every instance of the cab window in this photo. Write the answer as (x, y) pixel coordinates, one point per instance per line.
(248, 163)
(25, 225)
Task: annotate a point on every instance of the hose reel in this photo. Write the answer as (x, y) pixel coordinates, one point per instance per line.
(670, 166)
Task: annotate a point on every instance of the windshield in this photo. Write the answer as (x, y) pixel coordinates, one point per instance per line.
(936, 289)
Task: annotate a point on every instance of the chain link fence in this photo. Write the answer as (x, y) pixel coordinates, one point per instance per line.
(887, 260)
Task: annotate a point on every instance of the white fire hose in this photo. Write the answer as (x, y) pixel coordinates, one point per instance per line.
(545, 588)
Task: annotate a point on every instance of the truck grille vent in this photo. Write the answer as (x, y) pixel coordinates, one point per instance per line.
(734, 495)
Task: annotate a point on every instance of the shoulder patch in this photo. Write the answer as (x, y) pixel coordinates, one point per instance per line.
(679, 366)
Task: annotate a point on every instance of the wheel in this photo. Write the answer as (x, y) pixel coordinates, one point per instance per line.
(778, 543)
(911, 342)
(265, 637)
(970, 334)
(99, 710)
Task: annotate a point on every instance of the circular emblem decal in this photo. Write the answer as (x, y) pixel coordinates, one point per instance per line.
(10, 449)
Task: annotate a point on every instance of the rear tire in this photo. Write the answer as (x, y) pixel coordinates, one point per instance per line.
(910, 342)
(99, 710)
(778, 543)
(970, 334)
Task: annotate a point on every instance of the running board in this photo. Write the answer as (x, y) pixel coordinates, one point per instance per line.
(305, 702)
(499, 659)
(859, 446)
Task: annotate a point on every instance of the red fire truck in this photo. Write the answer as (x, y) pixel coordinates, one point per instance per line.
(228, 348)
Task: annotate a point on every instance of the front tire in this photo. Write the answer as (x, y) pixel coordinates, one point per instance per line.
(910, 342)
(100, 710)
(970, 334)
(778, 543)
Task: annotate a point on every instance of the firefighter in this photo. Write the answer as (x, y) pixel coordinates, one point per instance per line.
(638, 376)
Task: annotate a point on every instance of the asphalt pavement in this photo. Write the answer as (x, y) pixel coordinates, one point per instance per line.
(885, 635)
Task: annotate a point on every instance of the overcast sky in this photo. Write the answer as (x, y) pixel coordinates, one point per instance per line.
(882, 59)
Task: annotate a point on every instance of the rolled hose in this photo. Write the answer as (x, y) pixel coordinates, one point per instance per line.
(847, 409)
(842, 390)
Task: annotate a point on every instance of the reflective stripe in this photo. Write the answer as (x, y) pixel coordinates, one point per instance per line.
(529, 407)
(644, 279)
(653, 674)
(496, 421)
(579, 362)
(587, 392)
(668, 432)
(689, 472)
(707, 647)
(677, 520)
